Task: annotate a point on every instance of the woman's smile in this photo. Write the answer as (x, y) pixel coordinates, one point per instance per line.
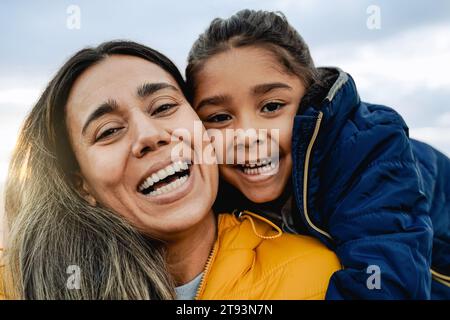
(168, 184)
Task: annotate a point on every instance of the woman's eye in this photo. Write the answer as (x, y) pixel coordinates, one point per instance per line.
(164, 109)
(219, 118)
(105, 134)
(272, 107)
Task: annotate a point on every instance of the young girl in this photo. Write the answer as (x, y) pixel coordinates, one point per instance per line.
(345, 172)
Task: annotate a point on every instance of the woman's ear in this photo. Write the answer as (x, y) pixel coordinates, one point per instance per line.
(83, 189)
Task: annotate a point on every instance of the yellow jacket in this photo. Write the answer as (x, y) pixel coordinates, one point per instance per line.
(249, 261)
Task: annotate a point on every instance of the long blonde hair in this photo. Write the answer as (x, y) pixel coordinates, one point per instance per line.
(52, 230)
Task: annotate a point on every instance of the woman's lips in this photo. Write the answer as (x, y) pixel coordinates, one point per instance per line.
(175, 192)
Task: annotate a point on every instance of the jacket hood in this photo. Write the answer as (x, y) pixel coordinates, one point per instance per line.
(336, 96)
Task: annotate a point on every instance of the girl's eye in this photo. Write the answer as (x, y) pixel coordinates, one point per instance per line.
(272, 107)
(163, 109)
(105, 134)
(221, 117)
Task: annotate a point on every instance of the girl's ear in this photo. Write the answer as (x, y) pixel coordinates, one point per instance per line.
(83, 188)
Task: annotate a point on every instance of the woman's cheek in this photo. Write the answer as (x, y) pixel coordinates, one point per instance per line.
(108, 164)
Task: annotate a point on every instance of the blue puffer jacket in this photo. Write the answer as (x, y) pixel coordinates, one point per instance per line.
(378, 198)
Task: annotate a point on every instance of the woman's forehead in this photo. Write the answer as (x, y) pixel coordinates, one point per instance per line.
(115, 75)
(118, 70)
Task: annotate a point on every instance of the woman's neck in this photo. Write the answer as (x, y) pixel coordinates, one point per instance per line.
(187, 256)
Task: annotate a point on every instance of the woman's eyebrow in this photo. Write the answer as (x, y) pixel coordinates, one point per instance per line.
(267, 87)
(106, 107)
(147, 89)
(111, 105)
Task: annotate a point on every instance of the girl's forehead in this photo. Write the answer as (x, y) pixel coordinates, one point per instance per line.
(241, 67)
(253, 58)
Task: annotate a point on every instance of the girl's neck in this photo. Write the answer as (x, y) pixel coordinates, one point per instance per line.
(187, 256)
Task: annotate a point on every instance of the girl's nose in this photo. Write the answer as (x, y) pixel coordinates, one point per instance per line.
(248, 136)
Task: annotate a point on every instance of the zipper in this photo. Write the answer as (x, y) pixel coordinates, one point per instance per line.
(305, 177)
(206, 270)
(244, 215)
(441, 278)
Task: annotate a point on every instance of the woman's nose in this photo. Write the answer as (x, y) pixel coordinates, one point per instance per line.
(150, 136)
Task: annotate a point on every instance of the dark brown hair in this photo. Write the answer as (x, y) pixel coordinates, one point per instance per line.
(269, 30)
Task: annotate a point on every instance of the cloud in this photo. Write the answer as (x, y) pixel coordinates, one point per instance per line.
(438, 137)
(35, 37)
(444, 120)
(408, 71)
(403, 65)
(18, 96)
(416, 57)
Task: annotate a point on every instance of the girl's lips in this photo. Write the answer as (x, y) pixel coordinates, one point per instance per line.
(261, 177)
(175, 194)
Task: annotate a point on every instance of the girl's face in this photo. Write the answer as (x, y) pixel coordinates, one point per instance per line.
(248, 89)
(122, 114)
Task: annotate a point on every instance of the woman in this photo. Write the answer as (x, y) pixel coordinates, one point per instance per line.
(96, 188)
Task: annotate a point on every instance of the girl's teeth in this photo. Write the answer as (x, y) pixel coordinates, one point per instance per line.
(259, 170)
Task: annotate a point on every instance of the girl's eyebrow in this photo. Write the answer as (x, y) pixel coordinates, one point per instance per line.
(213, 100)
(258, 90)
(266, 87)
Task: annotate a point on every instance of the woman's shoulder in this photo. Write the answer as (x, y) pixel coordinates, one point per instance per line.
(302, 261)
(257, 261)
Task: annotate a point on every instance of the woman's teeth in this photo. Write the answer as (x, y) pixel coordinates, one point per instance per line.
(169, 187)
(259, 167)
(170, 172)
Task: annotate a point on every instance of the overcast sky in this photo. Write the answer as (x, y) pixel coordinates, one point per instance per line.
(404, 64)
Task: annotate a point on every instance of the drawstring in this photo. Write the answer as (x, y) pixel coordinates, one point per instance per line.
(248, 215)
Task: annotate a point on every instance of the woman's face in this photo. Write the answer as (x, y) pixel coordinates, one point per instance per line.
(245, 89)
(122, 115)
